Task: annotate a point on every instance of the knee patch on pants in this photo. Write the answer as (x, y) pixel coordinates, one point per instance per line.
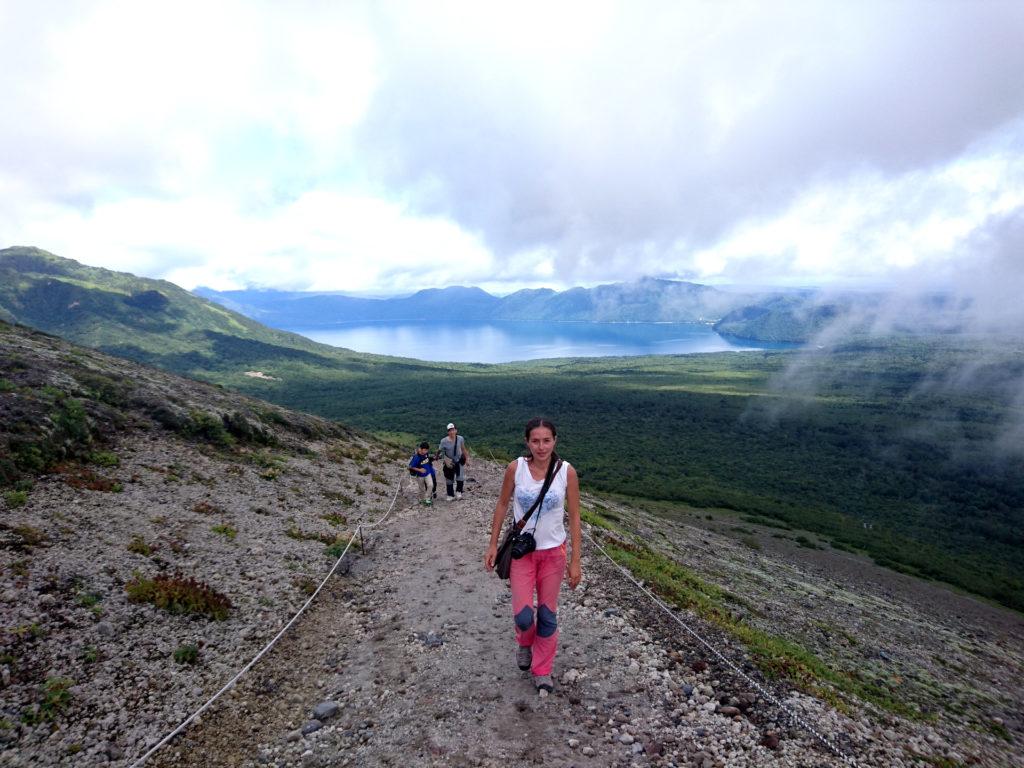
(524, 619)
(547, 621)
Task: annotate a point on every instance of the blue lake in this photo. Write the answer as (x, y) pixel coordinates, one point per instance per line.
(503, 342)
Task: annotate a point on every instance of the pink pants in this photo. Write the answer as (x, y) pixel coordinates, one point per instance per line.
(539, 571)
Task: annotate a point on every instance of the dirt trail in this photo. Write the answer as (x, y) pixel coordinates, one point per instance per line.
(415, 644)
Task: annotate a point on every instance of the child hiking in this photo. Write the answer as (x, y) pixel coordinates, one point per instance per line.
(422, 469)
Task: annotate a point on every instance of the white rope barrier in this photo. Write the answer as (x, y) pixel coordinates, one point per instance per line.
(795, 717)
(230, 683)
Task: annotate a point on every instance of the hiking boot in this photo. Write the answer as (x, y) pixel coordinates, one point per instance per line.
(458, 495)
(449, 498)
(524, 657)
(543, 683)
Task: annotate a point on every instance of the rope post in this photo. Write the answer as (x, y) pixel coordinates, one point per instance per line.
(362, 542)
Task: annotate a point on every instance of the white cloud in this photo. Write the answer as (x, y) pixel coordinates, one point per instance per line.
(395, 146)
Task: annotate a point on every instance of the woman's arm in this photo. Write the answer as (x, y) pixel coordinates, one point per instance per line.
(507, 484)
(574, 569)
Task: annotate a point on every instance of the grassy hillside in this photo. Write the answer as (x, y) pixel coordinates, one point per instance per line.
(127, 315)
(904, 450)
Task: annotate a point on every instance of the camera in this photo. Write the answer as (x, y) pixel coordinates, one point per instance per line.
(523, 544)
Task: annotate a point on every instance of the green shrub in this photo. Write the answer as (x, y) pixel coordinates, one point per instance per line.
(179, 595)
(334, 550)
(88, 599)
(225, 530)
(104, 459)
(208, 427)
(334, 518)
(186, 654)
(90, 654)
(15, 498)
(139, 546)
(56, 698)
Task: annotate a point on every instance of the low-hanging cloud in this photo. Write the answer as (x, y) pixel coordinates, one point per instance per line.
(976, 320)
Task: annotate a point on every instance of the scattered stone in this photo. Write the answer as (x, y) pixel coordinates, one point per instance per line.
(770, 740)
(311, 726)
(626, 738)
(325, 710)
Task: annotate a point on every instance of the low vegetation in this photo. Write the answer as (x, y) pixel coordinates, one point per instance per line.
(186, 654)
(180, 595)
(776, 657)
(227, 531)
(55, 698)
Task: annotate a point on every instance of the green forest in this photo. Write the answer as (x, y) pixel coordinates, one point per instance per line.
(902, 449)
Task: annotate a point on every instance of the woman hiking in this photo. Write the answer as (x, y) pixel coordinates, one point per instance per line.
(541, 570)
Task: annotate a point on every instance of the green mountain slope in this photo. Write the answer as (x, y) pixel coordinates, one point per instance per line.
(152, 321)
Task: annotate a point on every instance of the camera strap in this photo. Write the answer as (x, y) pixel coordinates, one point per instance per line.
(518, 527)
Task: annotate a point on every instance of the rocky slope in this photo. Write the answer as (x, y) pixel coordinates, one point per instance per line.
(409, 652)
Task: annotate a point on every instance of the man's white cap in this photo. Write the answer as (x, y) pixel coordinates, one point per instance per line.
(450, 426)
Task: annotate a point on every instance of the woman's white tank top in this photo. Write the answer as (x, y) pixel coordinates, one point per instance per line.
(547, 523)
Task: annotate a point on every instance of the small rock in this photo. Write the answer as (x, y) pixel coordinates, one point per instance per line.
(699, 665)
(105, 629)
(653, 748)
(588, 751)
(325, 710)
(728, 711)
(293, 736)
(574, 743)
(626, 738)
(311, 726)
(770, 740)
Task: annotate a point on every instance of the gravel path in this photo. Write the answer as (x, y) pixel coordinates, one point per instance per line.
(414, 645)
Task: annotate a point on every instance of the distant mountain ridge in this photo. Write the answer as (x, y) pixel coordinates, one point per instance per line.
(646, 300)
(796, 315)
(139, 317)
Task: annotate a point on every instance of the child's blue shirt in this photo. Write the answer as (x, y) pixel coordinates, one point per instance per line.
(418, 462)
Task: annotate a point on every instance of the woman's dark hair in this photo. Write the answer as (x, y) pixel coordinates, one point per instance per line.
(533, 424)
(425, 444)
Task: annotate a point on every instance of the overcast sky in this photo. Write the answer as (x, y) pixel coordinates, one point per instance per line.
(386, 147)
